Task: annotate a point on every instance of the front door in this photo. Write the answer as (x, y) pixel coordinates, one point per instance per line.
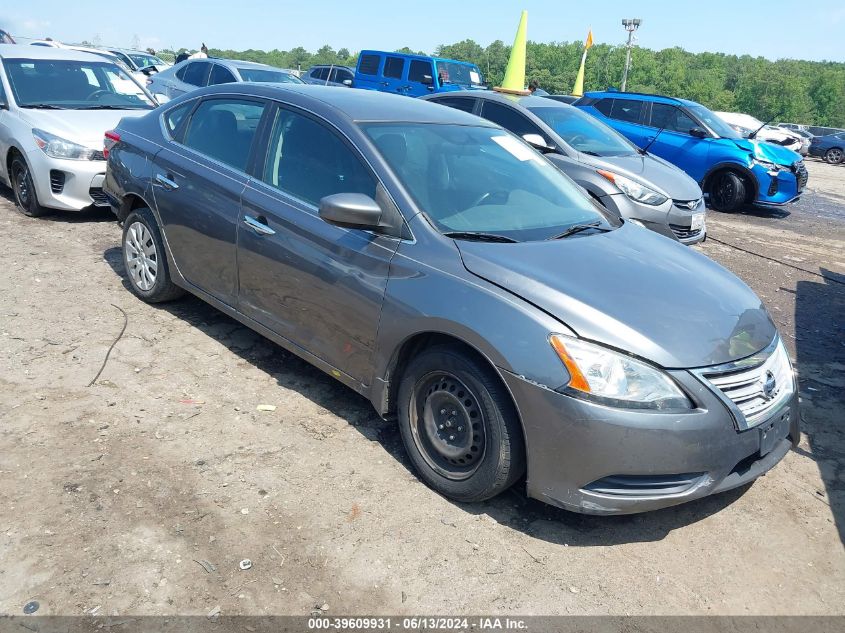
(675, 143)
(318, 285)
(197, 183)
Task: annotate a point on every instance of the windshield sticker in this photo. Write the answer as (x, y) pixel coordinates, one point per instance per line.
(516, 148)
(474, 77)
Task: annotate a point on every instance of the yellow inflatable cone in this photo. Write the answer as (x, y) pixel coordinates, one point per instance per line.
(578, 90)
(514, 83)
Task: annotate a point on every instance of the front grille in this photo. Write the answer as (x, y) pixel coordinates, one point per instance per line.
(689, 205)
(98, 155)
(98, 197)
(643, 485)
(57, 181)
(801, 175)
(684, 232)
(754, 386)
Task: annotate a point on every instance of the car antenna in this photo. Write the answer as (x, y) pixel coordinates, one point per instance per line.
(755, 132)
(644, 150)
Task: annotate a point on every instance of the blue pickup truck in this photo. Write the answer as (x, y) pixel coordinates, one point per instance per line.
(414, 75)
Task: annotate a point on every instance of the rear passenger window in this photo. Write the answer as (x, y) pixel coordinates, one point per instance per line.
(369, 64)
(322, 74)
(220, 75)
(196, 73)
(393, 67)
(310, 162)
(419, 69)
(626, 110)
(223, 129)
(604, 106)
(459, 103)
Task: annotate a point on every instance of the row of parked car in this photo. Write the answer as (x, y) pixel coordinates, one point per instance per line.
(513, 320)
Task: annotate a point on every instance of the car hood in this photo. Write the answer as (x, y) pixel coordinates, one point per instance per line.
(85, 127)
(633, 290)
(650, 171)
(767, 151)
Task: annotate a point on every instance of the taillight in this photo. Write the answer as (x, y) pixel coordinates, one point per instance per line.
(112, 137)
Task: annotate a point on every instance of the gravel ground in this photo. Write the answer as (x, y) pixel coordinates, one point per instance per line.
(141, 494)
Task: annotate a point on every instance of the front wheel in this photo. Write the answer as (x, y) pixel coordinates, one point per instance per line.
(24, 188)
(727, 191)
(145, 259)
(834, 156)
(459, 426)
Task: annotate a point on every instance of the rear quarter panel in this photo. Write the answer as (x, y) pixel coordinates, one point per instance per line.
(129, 166)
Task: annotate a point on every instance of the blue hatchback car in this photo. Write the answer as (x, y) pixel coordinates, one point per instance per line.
(732, 170)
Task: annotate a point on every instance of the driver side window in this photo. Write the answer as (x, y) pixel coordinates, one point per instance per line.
(671, 118)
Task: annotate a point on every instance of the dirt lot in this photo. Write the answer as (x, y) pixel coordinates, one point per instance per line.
(110, 494)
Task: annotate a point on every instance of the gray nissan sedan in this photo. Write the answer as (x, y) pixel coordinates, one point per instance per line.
(443, 268)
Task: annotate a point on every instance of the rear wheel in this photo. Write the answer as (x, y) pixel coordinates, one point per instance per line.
(834, 156)
(24, 188)
(145, 259)
(727, 191)
(459, 425)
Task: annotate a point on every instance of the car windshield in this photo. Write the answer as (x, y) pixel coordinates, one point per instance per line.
(73, 85)
(473, 180)
(142, 60)
(267, 76)
(712, 121)
(583, 132)
(460, 74)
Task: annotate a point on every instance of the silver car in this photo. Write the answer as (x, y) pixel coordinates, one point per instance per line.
(633, 184)
(55, 106)
(197, 73)
(441, 267)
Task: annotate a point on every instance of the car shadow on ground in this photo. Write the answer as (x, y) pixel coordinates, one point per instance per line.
(511, 509)
(90, 214)
(776, 213)
(820, 362)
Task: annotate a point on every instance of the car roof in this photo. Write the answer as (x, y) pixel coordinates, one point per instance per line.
(528, 101)
(356, 105)
(639, 96)
(237, 63)
(24, 51)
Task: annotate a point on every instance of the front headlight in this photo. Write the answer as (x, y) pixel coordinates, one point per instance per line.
(635, 190)
(597, 373)
(58, 147)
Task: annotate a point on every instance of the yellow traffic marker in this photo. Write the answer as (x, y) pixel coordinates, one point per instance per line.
(578, 90)
(514, 82)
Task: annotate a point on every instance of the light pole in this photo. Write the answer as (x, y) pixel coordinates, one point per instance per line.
(631, 25)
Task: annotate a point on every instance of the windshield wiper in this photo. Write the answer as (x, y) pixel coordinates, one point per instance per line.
(577, 228)
(111, 107)
(479, 236)
(590, 153)
(43, 106)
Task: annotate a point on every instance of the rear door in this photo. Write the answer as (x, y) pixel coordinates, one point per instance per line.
(420, 77)
(198, 179)
(318, 285)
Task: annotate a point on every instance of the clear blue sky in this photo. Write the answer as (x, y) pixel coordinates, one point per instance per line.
(809, 29)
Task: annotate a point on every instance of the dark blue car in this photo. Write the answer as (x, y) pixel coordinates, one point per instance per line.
(831, 147)
(731, 170)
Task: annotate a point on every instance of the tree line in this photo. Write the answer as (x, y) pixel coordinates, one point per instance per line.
(793, 90)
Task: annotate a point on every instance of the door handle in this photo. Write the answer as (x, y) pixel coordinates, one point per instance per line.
(259, 225)
(166, 182)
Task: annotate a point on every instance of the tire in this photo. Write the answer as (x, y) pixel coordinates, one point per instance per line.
(727, 191)
(834, 155)
(459, 425)
(23, 186)
(145, 260)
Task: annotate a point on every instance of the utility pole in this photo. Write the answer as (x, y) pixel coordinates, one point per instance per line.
(631, 25)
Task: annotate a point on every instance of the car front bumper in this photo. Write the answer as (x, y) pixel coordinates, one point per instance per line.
(781, 187)
(595, 459)
(67, 185)
(671, 218)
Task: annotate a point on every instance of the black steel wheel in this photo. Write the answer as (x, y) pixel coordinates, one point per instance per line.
(459, 425)
(24, 188)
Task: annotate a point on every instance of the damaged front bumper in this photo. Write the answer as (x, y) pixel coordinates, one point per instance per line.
(595, 459)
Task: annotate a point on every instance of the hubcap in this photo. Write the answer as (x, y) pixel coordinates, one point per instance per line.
(139, 250)
(447, 425)
(835, 155)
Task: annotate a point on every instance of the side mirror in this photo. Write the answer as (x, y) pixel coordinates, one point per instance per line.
(538, 142)
(427, 80)
(697, 132)
(352, 210)
(347, 82)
